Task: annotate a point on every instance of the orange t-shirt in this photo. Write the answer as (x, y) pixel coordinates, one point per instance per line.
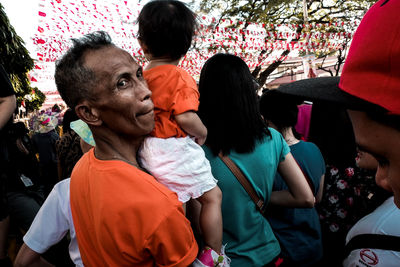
(124, 217)
(174, 92)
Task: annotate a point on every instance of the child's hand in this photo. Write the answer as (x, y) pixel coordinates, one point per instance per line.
(200, 140)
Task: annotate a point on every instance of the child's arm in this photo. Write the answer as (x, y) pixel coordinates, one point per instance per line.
(192, 125)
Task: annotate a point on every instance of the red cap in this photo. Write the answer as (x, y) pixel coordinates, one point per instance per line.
(372, 68)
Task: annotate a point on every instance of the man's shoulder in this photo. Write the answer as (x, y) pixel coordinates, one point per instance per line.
(121, 180)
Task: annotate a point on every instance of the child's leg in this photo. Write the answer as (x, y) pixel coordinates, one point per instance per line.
(211, 218)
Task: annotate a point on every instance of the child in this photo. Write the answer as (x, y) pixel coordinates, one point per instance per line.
(171, 153)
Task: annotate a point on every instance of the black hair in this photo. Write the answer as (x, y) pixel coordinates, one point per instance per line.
(280, 109)
(167, 27)
(69, 116)
(331, 130)
(17, 130)
(74, 81)
(228, 105)
(56, 108)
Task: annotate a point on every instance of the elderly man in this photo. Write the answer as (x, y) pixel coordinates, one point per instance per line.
(122, 215)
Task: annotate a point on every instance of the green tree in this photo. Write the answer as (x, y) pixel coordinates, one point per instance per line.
(279, 12)
(17, 62)
(32, 101)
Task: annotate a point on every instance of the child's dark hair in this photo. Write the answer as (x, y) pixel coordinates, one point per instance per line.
(166, 27)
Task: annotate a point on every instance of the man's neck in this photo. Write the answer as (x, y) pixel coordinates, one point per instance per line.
(115, 147)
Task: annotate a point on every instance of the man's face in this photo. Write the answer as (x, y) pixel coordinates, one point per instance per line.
(122, 97)
(383, 142)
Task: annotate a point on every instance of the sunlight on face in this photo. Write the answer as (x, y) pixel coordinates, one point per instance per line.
(383, 143)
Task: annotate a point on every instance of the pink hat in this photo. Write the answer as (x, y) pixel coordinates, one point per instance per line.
(371, 73)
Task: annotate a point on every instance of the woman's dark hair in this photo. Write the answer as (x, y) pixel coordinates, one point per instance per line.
(166, 27)
(332, 132)
(280, 109)
(228, 105)
(74, 81)
(69, 116)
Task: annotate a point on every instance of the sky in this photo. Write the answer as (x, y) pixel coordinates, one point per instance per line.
(23, 17)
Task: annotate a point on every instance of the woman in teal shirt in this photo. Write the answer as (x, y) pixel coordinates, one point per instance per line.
(229, 110)
(298, 230)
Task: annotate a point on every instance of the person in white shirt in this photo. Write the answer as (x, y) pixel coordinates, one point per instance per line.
(382, 221)
(50, 225)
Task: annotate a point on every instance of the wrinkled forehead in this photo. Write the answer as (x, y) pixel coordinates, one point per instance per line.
(101, 60)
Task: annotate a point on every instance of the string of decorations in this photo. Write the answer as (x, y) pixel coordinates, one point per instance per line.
(61, 20)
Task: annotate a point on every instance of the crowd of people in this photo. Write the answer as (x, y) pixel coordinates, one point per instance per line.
(148, 167)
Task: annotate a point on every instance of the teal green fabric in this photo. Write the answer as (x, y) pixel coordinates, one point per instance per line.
(248, 235)
(299, 230)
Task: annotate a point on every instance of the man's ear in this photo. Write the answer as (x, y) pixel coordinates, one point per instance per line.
(88, 113)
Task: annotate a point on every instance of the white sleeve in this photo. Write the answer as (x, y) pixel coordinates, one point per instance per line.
(384, 220)
(372, 257)
(51, 223)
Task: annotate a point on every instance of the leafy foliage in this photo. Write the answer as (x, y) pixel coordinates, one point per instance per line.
(17, 62)
(32, 101)
(277, 12)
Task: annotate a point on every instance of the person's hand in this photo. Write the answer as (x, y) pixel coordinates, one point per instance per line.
(200, 140)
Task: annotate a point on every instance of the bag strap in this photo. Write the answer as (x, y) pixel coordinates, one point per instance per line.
(243, 181)
(374, 241)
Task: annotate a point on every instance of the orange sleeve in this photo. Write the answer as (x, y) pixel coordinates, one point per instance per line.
(187, 96)
(173, 243)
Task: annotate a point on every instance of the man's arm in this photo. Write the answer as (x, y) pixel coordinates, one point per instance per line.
(29, 257)
(7, 107)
